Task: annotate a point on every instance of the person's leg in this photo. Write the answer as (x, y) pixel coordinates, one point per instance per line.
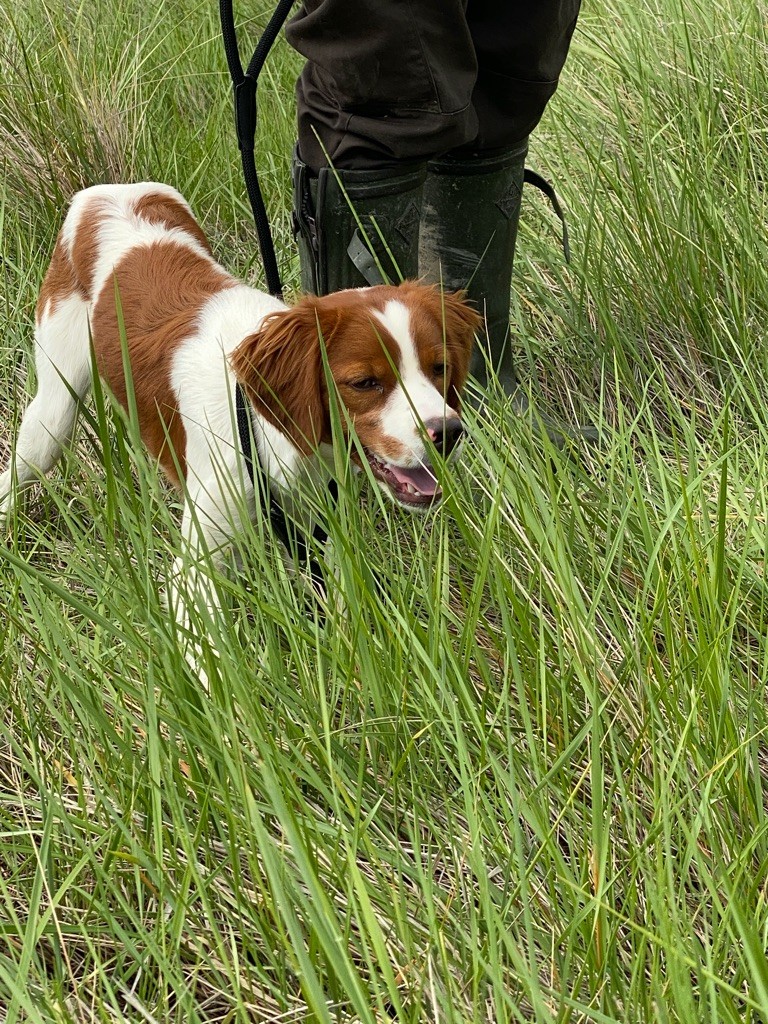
(388, 87)
(469, 218)
(521, 48)
(385, 88)
(385, 84)
(471, 201)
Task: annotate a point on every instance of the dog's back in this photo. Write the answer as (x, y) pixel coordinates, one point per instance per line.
(130, 271)
(104, 223)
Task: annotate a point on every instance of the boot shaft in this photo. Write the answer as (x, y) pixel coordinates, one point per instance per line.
(469, 221)
(452, 222)
(356, 228)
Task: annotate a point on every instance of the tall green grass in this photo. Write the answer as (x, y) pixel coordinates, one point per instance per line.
(519, 772)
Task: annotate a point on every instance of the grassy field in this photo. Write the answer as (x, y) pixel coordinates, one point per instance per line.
(523, 776)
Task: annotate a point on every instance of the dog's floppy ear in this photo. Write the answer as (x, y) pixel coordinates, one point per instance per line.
(461, 322)
(280, 367)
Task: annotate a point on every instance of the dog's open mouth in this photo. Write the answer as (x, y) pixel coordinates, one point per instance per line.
(409, 485)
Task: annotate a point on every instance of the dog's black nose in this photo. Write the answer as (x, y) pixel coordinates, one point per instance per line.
(445, 434)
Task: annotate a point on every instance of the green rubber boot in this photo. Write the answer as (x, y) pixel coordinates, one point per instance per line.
(356, 228)
(469, 219)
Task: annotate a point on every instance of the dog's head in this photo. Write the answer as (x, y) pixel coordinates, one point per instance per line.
(398, 358)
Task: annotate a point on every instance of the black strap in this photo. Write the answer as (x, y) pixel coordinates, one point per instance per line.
(288, 534)
(244, 87)
(364, 260)
(532, 178)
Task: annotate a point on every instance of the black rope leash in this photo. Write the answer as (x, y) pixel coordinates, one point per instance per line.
(244, 85)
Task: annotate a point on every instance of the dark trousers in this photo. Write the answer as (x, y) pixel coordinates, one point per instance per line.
(389, 82)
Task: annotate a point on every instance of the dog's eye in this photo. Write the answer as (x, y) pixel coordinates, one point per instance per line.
(439, 370)
(365, 384)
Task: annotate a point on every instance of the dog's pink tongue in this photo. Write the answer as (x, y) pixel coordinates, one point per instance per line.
(417, 476)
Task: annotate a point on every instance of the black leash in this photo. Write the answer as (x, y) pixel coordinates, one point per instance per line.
(287, 533)
(244, 85)
(246, 116)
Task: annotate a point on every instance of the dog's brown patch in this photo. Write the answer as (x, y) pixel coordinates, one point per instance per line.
(70, 272)
(159, 208)
(160, 289)
(59, 283)
(85, 245)
(364, 349)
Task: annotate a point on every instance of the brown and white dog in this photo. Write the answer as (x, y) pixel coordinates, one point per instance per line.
(397, 356)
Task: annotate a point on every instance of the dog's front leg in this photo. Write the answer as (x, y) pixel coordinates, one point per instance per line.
(193, 599)
(194, 603)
